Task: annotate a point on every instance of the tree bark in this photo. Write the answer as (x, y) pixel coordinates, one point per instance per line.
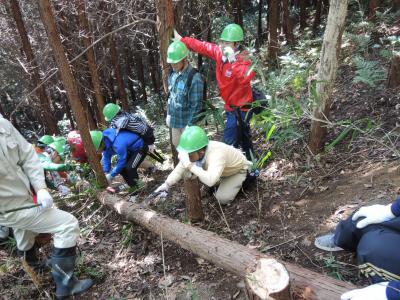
(117, 70)
(317, 19)
(238, 13)
(373, 5)
(68, 113)
(165, 21)
(140, 74)
(46, 111)
(70, 86)
(273, 33)
(259, 25)
(396, 5)
(327, 72)
(303, 14)
(87, 39)
(128, 69)
(394, 73)
(287, 23)
(233, 257)
(193, 200)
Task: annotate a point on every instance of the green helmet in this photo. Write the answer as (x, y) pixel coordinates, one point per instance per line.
(110, 111)
(176, 52)
(46, 139)
(232, 33)
(97, 137)
(192, 139)
(59, 145)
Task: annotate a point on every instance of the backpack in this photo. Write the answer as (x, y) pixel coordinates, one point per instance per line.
(135, 123)
(189, 80)
(259, 95)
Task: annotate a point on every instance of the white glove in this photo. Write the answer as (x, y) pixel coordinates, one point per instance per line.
(373, 214)
(64, 190)
(184, 159)
(162, 188)
(229, 54)
(168, 120)
(109, 178)
(373, 292)
(177, 36)
(152, 148)
(45, 199)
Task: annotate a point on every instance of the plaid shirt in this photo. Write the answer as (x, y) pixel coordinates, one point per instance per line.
(184, 102)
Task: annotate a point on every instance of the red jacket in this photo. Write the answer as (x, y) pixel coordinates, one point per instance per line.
(77, 150)
(233, 80)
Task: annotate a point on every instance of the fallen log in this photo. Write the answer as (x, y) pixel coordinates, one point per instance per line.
(233, 257)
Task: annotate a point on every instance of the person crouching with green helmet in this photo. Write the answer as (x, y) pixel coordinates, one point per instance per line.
(212, 162)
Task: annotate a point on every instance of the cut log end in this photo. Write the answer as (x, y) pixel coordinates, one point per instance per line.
(270, 280)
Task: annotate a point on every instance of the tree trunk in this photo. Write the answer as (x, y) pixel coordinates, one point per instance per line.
(2, 112)
(259, 25)
(70, 86)
(46, 111)
(238, 13)
(117, 70)
(287, 23)
(153, 66)
(165, 20)
(273, 33)
(140, 74)
(87, 39)
(373, 5)
(327, 72)
(303, 14)
(129, 75)
(193, 200)
(68, 113)
(396, 5)
(394, 72)
(232, 257)
(317, 19)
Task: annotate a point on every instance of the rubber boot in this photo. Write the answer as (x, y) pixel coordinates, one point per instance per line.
(62, 269)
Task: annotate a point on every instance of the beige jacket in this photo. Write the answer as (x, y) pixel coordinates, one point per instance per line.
(221, 160)
(20, 168)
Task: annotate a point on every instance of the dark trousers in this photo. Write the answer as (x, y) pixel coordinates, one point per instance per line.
(129, 173)
(237, 131)
(377, 247)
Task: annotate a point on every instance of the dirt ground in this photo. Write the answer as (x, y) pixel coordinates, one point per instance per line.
(297, 197)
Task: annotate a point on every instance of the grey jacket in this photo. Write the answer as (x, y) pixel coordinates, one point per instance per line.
(20, 168)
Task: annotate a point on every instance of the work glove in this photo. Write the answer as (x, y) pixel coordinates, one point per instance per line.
(168, 121)
(152, 148)
(184, 159)
(109, 178)
(373, 214)
(177, 36)
(229, 55)
(45, 199)
(373, 292)
(162, 188)
(64, 190)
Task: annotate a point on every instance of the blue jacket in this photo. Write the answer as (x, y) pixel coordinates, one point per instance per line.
(123, 144)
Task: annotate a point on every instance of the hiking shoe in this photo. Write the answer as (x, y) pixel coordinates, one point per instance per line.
(326, 242)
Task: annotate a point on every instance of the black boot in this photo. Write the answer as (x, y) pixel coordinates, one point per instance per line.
(62, 269)
(32, 259)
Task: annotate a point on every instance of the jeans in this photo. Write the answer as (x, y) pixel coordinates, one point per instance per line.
(236, 134)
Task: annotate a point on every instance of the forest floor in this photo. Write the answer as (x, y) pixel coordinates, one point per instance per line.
(298, 197)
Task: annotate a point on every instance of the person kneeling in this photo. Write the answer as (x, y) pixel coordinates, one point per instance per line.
(212, 162)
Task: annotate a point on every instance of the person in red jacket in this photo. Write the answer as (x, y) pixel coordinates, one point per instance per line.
(234, 75)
